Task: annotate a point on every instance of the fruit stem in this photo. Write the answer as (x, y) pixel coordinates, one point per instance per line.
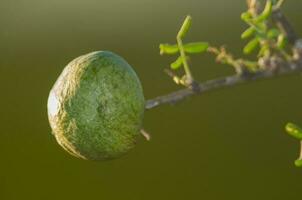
(146, 135)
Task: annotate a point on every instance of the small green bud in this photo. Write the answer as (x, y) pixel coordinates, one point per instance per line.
(298, 163)
(294, 130)
(266, 12)
(185, 27)
(168, 49)
(273, 33)
(282, 41)
(264, 50)
(196, 47)
(251, 46)
(248, 33)
(246, 16)
(177, 64)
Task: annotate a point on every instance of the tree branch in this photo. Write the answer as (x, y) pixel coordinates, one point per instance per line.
(228, 81)
(271, 71)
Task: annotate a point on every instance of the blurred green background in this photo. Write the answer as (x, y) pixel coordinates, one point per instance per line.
(227, 144)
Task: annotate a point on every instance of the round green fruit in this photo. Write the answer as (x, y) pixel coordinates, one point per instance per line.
(96, 106)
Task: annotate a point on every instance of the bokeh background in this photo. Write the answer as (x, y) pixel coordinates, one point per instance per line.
(227, 144)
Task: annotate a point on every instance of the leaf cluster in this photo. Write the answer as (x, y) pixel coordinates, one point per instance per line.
(262, 33)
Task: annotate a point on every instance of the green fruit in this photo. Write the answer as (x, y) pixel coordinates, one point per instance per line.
(96, 106)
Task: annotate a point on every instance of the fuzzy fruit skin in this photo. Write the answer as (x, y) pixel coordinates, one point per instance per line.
(96, 106)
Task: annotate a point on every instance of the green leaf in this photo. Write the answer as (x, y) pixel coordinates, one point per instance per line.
(261, 27)
(185, 27)
(298, 163)
(281, 42)
(273, 33)
(196, 47)
(252, 66)
(168, 49)
(266, 12)
(264, 50)
(177, 64)
(251, 46)
(294, 130)
(248, 33)
(246, 16)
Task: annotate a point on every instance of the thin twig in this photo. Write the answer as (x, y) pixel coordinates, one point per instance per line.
(253, 6)
(284, 25)
(228, 81)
